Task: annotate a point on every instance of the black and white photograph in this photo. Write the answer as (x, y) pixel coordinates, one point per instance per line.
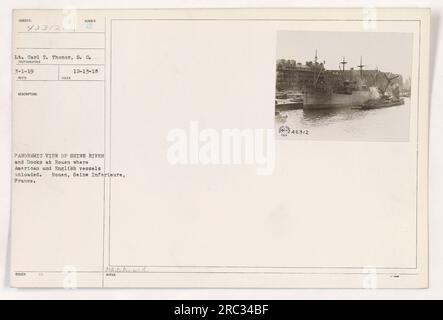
(343, 85)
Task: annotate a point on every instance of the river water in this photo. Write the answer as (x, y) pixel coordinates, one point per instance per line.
(347, 123)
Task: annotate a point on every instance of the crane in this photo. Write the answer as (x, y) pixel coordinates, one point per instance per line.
(388, 83)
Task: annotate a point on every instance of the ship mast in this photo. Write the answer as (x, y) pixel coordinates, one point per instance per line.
(361, 66)
(316, 64)
(344, 62)
(315, 68)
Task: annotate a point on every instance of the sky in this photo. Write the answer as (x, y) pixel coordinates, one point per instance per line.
(390, 52)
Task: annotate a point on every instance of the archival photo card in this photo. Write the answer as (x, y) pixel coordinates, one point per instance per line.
(219, 148)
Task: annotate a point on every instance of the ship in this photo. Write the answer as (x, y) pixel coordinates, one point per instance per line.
(385, 99)
(339, 91)
(330, 99)
(289, 102)
(382, 103)
(322, 88)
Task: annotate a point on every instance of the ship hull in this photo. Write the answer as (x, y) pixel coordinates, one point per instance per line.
(289, 106)
(382, 104)
(335, 100)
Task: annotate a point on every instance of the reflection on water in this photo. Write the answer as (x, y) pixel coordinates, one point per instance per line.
(325, 116)
(350, 123)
